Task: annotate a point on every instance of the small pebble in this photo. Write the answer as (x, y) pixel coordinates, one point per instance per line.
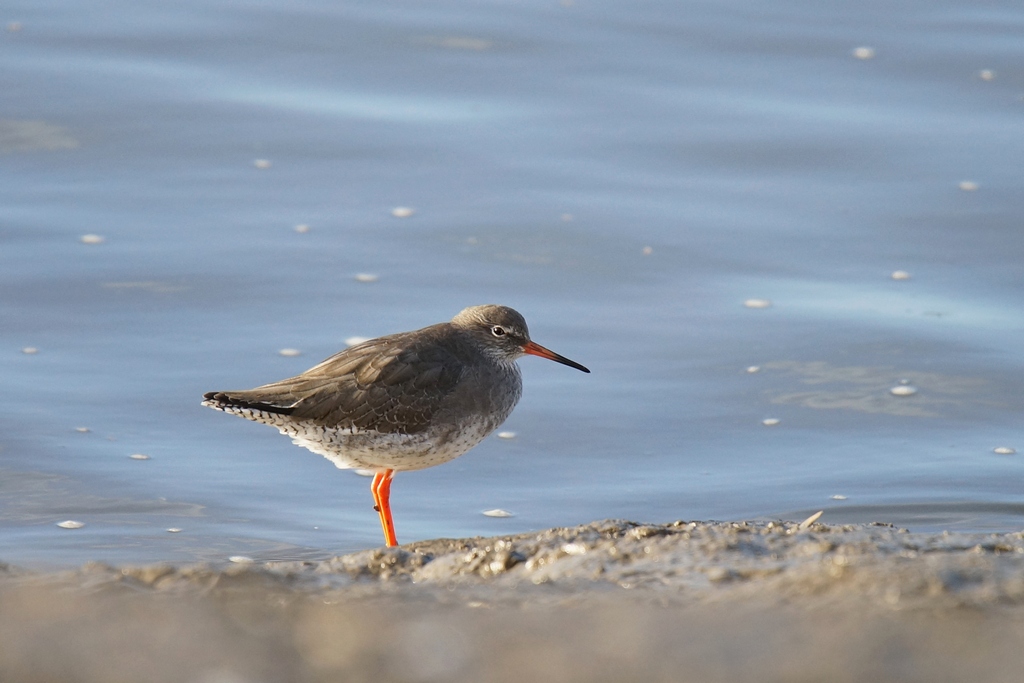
(903, 390)
(900, 275)
(757, 303)
(241, 559)
(138, 456)
(366, 277)
(497, 512)
(1004, 450)
(261, 163)
(174, 530)
(402, 212)
(987, 75)
(839, 496)
(29, 350)
(863, 52)
(753, 368)
(92, 239)
(968, 185)
(302, 228)
(70, 524)
(83, 430)
(289, 352)
(353, 341)
(714, 574)
(506, 435)
(770, 421)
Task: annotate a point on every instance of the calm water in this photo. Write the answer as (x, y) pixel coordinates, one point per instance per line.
(626, 175)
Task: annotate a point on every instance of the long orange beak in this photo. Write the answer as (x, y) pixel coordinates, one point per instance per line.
(535, 349)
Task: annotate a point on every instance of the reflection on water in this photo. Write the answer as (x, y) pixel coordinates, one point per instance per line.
(32, 136)
(875, 390)
(38, 497)
(936, 516)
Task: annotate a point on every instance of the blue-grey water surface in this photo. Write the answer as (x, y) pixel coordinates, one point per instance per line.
(626, 175)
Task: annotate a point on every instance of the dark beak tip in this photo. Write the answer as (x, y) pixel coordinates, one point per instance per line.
(574, 364)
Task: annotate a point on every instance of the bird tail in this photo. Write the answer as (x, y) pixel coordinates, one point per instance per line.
(241, 401)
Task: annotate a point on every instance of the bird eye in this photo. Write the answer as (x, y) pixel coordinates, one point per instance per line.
(498, 331)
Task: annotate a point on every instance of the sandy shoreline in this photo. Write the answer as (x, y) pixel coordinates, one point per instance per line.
(610, 600)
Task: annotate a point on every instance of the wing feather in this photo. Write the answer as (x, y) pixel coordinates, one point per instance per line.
(393, 384)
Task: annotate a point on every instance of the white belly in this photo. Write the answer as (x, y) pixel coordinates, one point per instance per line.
(376, 451)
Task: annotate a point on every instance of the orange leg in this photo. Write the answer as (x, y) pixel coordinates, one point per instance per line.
(381, 490)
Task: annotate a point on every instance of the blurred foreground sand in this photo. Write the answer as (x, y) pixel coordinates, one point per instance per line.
(608, 601)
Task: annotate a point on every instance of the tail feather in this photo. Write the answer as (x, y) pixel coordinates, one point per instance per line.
(222, 400)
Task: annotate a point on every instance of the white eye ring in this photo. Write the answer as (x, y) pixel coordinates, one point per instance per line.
(498, 331)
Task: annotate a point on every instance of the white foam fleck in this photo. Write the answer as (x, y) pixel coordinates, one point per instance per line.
(900, 275)
(71, 524)
(753, 368)
(301, 228)
(497, 512)
(402, 211)
(138, 456)
(770, 421)
(987, 75)
(757, 303)
(903, 390)
(1004, 450)
(241, 559)
(261, 163)
(174, 530)
(290, 352)
(968, 185)
(863, 52)
(30, 350)
(839, 496)
(366, 277)
(353, 341)
(506, 435)
(92, 239)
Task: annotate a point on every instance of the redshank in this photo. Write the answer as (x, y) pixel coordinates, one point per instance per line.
(401, 402)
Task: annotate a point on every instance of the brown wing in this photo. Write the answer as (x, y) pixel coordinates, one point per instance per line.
(392, 384)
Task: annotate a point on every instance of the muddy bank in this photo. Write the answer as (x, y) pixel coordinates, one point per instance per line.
(608, 601)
